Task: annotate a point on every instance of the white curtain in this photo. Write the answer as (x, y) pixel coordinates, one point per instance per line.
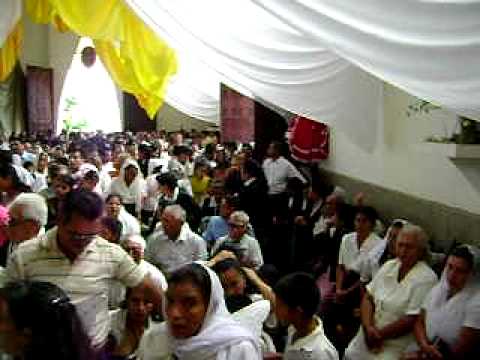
(430, 48)
(242, 45)
(10, 13)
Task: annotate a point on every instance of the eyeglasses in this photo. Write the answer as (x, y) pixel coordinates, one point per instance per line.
(84, 238)
(237, 226)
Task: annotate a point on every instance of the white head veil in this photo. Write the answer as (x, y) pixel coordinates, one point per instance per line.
(137, 185)
(219, 329)
(444, 315)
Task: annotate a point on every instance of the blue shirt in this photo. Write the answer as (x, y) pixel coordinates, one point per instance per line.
(216, 228)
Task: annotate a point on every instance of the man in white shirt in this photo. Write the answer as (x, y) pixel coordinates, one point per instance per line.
(278, 170)
(174, 244)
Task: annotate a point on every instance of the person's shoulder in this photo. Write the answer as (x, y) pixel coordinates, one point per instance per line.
(349, 237)
(424, 273)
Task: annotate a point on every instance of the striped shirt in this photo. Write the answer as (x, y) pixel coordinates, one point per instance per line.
(86, 280)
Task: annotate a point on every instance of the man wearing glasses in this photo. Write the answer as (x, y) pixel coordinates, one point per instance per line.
(242, 245)
(75, 258)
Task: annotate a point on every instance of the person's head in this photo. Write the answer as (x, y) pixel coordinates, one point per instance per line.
(62, 185)
(75, 160)
(237, 161)
(135, 245)
(79, 221)
(274, 150)
(167, 183)
(173, 218)
(111, 229)
(181, 152)
(238, 224)
(412, 245)
(297, 298)
(17, 147)
(90, 180)
(138, 303)
(113, 205)
(228, 205)
(251, 169)
(187, 300)
(55, 170)
(42, 163)
(232, 278)
(131, 172)
(459, 268)
(38, 321)
(29, 166)
(365, 219)
(28, 214)
(10, 181)
(392, 235)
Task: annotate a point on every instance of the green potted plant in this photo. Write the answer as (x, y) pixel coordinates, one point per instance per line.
(468, 131)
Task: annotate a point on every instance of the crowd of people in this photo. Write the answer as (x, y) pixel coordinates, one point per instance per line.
(157, 246)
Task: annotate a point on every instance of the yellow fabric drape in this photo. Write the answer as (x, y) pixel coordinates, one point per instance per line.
(138, 61)
(10, 51)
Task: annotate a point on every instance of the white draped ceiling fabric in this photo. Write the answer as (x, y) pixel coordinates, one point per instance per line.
(10, 13)
(254, 52)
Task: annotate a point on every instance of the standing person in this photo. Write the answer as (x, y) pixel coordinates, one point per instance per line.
(131, 187)
(278, 171)
(38, 321)
(297, 301)
(83, 264)
(201, 330)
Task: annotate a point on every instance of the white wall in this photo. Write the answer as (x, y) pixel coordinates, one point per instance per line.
(395, 162)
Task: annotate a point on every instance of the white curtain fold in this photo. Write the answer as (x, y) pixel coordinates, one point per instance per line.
(10, 13)
(429, 48)
(259, 55)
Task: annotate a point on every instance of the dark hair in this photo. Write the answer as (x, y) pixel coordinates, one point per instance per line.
(369, 212)
(45, 309)
(195, 274)
(111, 196)
(91, 175)
(114, 226)
(465, 254)
(8, 171)
(299, 290)
(66, 179)
(168, 180)
(27, 164)
(86, 204)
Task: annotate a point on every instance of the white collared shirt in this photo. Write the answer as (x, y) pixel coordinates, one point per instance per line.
(169, 255)
(86, 280)
(350, 255)
(278, 172)
(314, 346)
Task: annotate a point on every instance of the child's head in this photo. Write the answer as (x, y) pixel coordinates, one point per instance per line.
(297, 297)
(29, 166)
(90, 180)
(62, 185)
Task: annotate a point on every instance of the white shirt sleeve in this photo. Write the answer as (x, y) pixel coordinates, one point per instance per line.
(241, 351)
(472, 311)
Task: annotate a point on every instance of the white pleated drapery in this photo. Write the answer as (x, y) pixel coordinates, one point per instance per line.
(245, 47)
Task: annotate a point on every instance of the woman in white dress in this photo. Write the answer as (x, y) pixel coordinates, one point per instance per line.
(130, 185)
(198, 325)
(393, 300)
(449, 324)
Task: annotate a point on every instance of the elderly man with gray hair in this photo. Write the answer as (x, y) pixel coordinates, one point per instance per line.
(245, 247)
(28, 216)
(174, 244)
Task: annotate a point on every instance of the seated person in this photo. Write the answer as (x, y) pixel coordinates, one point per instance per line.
(198, 324)
(128, 324)
(248, 248)
(449, 323)
(393, 300)
(217, 226)
(297, 301)
(115, 210)
(90, 180)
